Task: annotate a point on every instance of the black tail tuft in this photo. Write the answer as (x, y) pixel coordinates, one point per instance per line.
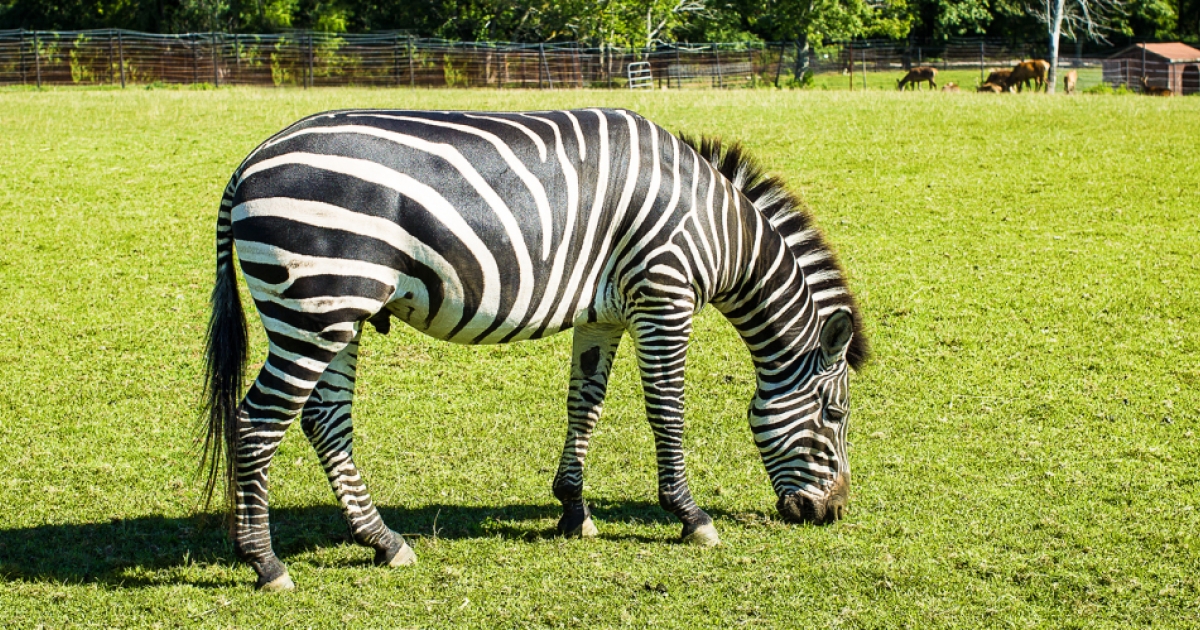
(225, 361)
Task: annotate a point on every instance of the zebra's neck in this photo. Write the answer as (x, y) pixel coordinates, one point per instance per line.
(773, 308)
(789, 280)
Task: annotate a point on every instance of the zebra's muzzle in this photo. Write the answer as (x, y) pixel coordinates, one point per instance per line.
(798, 508)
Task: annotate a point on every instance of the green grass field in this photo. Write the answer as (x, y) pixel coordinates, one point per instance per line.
(1024, 444)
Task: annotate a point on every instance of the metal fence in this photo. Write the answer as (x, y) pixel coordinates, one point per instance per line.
(118, 57)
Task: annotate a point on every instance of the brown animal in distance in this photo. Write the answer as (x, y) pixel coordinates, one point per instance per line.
(990, 87)
(1027, 71)
(1153, 90)
(951, 87)
(998, 77)
(1069, 81)
(917, 75)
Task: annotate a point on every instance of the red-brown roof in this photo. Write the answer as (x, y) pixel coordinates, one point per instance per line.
(1172, 51)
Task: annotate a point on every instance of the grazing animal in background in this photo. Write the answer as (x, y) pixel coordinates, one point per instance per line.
(1154, 90)
(1069, 81)
(951, 87)
(918, 75)
(1027, 71)
(992, 88)
(484, 228)
(998, 77)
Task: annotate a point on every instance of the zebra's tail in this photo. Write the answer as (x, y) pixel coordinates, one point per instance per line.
(225, 361)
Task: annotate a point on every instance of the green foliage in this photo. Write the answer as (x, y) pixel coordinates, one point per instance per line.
(264, 16)
(804, 81)
(81, 71)
(959, 17)
(1023, 445)
(1101, 88)
(1154, 19)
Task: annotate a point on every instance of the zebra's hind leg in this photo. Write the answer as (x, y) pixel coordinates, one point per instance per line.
(661, 338)
(277, 396)
(592, 353)
(327, 422)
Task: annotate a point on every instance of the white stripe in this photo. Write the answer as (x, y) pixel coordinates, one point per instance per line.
(812, 257)
(578, 135)
(821, 296)
(822, 276)
(583, 256)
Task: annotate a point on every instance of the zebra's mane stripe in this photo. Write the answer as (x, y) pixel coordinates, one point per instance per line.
(788, 213)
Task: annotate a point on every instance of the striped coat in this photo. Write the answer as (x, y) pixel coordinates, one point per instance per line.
(499, 227)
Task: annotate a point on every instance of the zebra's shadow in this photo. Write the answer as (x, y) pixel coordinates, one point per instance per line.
(126, 553)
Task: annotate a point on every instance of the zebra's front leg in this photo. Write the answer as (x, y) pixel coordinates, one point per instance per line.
(661, 339)
(328, 424)
(592, 353)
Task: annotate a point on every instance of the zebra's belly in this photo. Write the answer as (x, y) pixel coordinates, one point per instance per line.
(448, 318)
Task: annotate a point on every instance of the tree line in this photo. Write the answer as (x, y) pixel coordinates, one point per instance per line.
(623, 23)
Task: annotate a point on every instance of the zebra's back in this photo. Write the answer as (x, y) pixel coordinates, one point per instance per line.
(475, 227)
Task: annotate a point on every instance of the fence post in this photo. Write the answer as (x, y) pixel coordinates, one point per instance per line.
(237, 56)
(110, 57)
(121, 57)
(720, 75)
(310, 61)
(578, 63)
(412, 77)
(850, 48)
(607, 63)
(678, 70)
(195, 59)
(37, 57)
(981, 55)
(1143, 60)
(779, 66)
(216, 56)
(546, 66)
(863, 61)
(395, 61)
(21, 53)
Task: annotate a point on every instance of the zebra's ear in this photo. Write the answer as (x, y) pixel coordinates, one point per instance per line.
(836, 334)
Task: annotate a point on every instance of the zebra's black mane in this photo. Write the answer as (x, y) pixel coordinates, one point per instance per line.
(788, 214)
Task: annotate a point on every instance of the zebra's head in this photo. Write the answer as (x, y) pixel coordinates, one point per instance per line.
(800, 428)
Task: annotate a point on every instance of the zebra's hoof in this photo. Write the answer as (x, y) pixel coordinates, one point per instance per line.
(398, 554)
(404, 557)
(281, 583)
(704, 536)
(586, 529)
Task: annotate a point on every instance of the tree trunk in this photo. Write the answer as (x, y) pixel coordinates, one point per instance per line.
(801, 65)
(1055, 25)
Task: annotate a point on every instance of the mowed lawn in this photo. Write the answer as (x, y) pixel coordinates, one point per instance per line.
(1024, 444)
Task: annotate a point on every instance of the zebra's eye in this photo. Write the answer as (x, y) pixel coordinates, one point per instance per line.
(835, 414)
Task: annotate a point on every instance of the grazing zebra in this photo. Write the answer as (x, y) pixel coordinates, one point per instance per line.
(497, 227)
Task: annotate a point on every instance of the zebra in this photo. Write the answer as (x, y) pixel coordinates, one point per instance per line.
(485, 227)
